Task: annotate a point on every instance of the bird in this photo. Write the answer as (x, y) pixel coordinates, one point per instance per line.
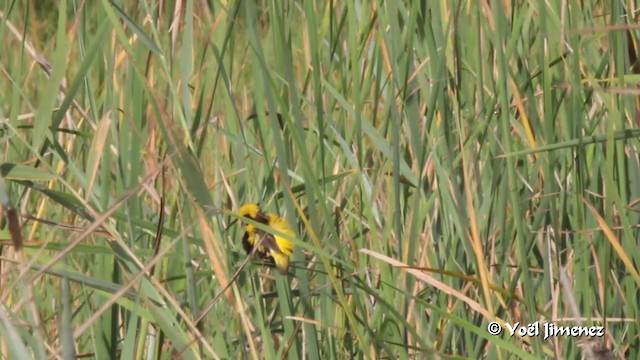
(595, 350)
(269, 247)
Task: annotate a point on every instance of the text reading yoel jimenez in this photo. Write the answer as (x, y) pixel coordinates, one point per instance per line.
(552, 330)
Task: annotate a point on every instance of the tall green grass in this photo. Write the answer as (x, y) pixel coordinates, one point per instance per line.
(445, 165)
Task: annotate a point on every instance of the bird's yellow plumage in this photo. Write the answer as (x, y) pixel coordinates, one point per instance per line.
(270, 247)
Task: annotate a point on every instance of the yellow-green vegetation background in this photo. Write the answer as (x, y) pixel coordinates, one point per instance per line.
(444, 164)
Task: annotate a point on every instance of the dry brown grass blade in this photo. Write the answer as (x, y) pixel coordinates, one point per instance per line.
(15, 229)
(613, 240)
(435, 283)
